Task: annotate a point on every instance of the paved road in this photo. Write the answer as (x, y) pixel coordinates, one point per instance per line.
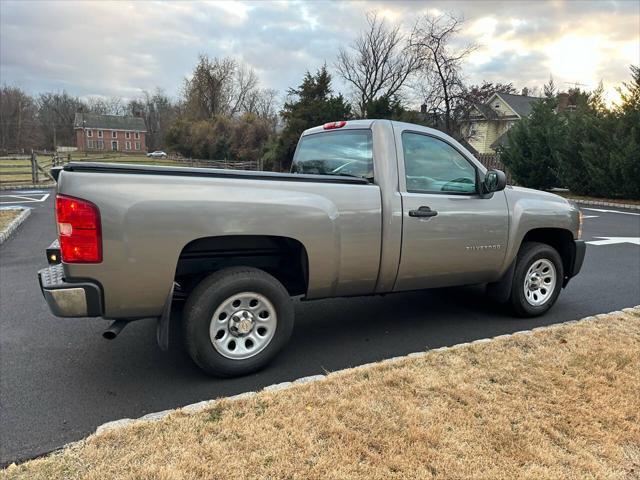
(59, 379)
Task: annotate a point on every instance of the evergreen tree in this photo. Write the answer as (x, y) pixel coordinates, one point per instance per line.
(625, 158)
(602, 153)
(385, 107)
(581, 132)
(533, 146)
(311, 104)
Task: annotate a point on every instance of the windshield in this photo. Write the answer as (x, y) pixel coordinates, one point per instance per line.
(346, 152)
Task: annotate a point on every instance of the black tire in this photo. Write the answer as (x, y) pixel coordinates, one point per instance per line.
(531, 252)
(212, 292)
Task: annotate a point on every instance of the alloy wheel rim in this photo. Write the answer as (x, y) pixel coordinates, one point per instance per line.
(540, 282)
(243, 325)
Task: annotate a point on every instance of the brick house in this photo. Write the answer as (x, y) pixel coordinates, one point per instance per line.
(109, 133)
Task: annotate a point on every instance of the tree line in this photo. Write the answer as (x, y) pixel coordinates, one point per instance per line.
(223, 113)
(589, 148)
(46, 120)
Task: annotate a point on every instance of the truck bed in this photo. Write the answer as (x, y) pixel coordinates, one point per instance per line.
(98, 167)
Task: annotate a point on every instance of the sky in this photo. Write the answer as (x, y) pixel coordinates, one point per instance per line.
(92, 48)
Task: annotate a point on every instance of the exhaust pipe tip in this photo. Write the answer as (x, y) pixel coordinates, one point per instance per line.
(109, 335)
(114, 330)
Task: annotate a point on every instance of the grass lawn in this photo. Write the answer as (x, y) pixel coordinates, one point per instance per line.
(557, 403)
(7, 216)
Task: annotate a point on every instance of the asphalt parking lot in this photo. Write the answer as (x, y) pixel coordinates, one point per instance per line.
(59, 378)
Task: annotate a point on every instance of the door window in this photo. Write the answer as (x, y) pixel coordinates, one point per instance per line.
(434, 166)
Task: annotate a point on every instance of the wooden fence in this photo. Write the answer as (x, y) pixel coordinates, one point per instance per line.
(21, 169)
(34, 168)
(492, 161)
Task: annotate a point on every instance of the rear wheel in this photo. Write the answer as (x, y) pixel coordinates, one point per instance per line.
(236, 320)
(537, 279)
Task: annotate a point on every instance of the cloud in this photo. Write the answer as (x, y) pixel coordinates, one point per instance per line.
(120, 49)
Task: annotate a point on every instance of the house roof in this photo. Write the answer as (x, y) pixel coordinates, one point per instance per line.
(521, 104)
(486, 111)
(109, 122)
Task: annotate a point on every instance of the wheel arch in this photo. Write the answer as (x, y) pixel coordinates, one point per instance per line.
(560, 239)
(284, 258)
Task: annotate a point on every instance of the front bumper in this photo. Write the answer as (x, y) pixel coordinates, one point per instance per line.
(576, 261)
(83, 299)
(578, 257)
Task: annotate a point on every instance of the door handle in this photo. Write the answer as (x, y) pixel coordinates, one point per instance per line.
(423, 212)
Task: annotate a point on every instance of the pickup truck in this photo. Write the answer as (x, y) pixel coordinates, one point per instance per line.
(369, 207)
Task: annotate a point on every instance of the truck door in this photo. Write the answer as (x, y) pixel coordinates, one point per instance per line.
(450, 234)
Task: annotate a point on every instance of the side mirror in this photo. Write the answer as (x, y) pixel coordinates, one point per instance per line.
(494, 181)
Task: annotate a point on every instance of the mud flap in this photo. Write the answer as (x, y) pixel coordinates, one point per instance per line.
(501, 290)
(162, 330)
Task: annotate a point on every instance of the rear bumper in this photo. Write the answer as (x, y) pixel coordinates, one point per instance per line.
(83, 299)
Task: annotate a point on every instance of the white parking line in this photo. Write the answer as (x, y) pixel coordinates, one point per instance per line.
(611, 211)
(615, 240)
(16, 199)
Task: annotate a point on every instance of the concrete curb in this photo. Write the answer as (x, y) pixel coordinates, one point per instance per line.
(598, 203)
(14, 224)
(204, 405)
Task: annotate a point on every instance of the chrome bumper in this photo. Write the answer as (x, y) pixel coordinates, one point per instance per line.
(65, 299)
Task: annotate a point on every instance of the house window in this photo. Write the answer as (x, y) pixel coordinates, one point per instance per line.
(137, 135)
(100, 145)
(128, 145)
(137, 145)
(90, 144)
(114, 134)
(89, 133)
(100, 133)
(127, 135)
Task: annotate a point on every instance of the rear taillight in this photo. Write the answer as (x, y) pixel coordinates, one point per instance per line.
(79, 230)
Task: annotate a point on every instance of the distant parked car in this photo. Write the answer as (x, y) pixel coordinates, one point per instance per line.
(157, 154)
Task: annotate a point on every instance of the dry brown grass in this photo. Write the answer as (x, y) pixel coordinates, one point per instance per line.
(7, 215)
(560, 403)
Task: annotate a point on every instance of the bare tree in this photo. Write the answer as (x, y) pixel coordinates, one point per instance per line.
(245, 85)
(19, 125)
(378, 64)
(474, 94)
(262, 103)
(218, 87)
(158, 112)
(56, 112)
(106, 105)
(442, 84)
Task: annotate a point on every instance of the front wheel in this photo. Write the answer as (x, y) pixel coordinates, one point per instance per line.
(537, 279)
(236, 320)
